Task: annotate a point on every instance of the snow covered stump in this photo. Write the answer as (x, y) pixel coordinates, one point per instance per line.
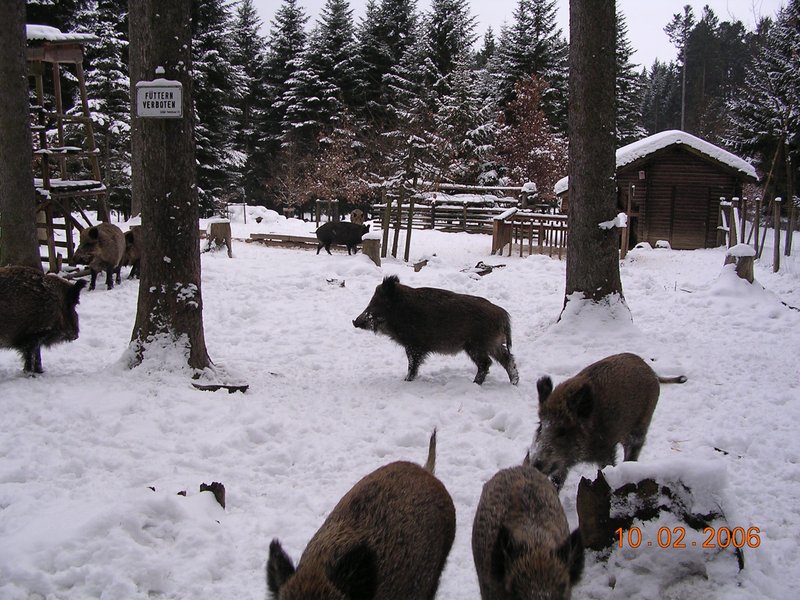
(371, 246)
(744, 256)
(218, 235)
(661, 521)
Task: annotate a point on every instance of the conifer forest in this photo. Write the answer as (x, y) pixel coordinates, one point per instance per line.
(336, 107)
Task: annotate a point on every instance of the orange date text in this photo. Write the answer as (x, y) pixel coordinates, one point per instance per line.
(715, 537)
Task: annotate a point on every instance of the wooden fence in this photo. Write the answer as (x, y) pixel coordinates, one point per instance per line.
(541, 233)
(444, 217)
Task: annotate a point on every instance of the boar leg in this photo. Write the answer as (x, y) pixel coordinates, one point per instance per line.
(110, 279)
(502, 355)
(415, 358)
(633, 446)
(483, 362)
(33, 360)
(93, 280)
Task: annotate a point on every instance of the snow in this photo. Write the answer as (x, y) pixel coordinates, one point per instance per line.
(52, 34)
(621, 220)
(82, 444)
(647, 146)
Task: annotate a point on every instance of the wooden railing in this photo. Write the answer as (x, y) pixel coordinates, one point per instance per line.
(444, 217)
(542, 233)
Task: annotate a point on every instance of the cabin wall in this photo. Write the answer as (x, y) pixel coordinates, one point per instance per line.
(678, 199)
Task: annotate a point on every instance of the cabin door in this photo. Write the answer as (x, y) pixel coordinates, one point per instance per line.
(690, 217)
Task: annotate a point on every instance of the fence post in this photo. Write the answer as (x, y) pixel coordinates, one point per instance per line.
(776, 220)
(387, 221)
(410, 223)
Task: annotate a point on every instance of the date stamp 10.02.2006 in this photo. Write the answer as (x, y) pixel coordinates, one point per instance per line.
(676, 537)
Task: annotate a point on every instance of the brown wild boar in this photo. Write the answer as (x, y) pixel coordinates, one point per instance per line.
(520, 539)
(36, 310)
(342, 232)
(585, 417)
(102, 248)
(425, 320)
(133, 250)
(387, 539)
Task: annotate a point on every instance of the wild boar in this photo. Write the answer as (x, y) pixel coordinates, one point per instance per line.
(521, 543)
(347, 234)
(585, 417)
(102, 248)
(133, 251)
(388, 538)
(426, 320)
(36, 310)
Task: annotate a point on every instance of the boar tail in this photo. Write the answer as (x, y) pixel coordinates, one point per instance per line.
(507, 331)
(678, 379)
(430, 464)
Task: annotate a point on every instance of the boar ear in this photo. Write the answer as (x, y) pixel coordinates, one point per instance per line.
(355, 574)
(506, 550)
(279, 567)
(545, 387)
(93, 233)
(581, 402)
(571, 554)
(74, 292)
(390, 284)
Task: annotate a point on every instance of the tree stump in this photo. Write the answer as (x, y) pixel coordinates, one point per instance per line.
(219, 234)
(744, 257)
(372, 248)
(357, 216)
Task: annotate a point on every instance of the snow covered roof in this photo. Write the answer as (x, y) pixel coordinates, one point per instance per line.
(649, 145)
(46, 33)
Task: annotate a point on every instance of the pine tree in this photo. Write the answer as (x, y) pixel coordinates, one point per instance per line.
(765, 113)
(534, 45)
(323, 79)
(249, 107)
(678, 31)
(629, 90)
(449, 30)
(383, 37)
(661, 98)
(466, 124)
(108, 90)
(216, 82)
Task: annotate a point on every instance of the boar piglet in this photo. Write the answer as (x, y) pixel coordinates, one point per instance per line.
(36, 310)
(426, 320)
(585, 417)
(388, 538)
(102, 248)
(342, 232)
(521, 543)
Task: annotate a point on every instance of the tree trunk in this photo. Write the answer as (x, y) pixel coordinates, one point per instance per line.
(170, 307)
(592, 252)
(18, 241)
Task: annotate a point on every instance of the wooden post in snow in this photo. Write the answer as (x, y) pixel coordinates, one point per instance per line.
(776, 223)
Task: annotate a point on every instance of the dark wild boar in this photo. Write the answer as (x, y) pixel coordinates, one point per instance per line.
(102, 248)
(426, 320)
(585, 417)
(387, 539)
(344, 233)
(520, 539)
(133, 251)
(36, 310)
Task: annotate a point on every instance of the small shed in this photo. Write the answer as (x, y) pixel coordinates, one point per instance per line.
(670, 185)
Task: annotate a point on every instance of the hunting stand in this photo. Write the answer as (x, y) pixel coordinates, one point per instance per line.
(66, 177)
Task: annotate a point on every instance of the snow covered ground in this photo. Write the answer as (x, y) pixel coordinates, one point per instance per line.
(82, 445)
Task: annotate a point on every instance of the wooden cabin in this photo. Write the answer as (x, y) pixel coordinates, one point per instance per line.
(670, 185)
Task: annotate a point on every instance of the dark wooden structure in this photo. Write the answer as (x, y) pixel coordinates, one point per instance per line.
(670, 185)
(67, 176)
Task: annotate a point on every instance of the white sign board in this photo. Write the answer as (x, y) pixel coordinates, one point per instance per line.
(160, 98)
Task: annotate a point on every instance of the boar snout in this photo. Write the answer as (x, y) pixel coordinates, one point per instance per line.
(365, 321)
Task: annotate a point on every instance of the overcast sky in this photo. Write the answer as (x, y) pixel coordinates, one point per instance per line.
(645, 18)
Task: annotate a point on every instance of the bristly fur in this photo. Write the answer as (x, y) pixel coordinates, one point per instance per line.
(431, 320)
